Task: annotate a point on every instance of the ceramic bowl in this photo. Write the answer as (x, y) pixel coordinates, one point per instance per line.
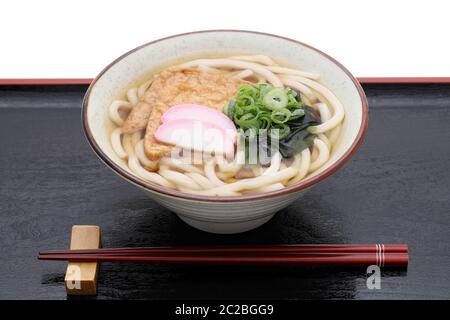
(222, 214)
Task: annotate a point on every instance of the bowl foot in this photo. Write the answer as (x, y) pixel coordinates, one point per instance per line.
(226, 227)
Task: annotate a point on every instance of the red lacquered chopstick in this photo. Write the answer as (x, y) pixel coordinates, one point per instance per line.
(328, 260)
(263, 249)
(284, 255)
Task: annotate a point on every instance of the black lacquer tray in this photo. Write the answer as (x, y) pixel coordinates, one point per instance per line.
(395, 190)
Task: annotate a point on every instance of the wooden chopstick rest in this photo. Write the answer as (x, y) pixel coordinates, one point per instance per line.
(81, 277)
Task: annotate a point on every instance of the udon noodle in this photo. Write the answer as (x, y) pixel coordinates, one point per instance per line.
(231, 178)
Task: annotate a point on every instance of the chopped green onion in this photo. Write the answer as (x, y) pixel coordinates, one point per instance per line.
(297, 113)
(265, 121)
(281, 115)
(264, 88)
(245, 100)
(228, 109)
(247, 121)
(291, 92)
(275, 99)
(250, 109)
(248, 90)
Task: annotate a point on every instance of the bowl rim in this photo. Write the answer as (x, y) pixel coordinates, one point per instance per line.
(178, 194)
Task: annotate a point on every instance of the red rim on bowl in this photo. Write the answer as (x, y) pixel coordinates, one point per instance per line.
(175, 193)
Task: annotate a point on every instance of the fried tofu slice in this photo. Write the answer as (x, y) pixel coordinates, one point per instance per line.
(174, 86)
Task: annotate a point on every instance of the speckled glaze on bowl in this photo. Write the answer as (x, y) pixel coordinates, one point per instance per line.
(222, 214)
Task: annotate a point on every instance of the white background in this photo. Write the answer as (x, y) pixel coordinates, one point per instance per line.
(76, 39)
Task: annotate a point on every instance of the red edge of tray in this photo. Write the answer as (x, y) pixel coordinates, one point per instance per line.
(87, 81)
